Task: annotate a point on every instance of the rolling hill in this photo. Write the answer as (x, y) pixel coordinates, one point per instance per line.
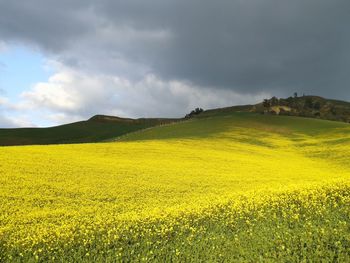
(105, 128)
(96, 129)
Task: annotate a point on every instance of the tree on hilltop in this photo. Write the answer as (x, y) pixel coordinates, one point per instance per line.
(274, 101)
(266, 103)
(196, 111)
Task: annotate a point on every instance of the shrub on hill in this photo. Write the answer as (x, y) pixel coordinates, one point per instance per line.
(193, 113)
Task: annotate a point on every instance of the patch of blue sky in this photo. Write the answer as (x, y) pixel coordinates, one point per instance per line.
(20, 69)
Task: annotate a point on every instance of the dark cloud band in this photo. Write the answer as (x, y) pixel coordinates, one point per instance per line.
(247, 46)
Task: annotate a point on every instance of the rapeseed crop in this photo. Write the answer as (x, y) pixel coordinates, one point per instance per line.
(245, 193)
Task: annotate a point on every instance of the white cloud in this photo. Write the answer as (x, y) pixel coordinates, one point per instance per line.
(3, 101)
(15, 122)
(6, 123)
(10, 120)
(71, 95)
(3, 46)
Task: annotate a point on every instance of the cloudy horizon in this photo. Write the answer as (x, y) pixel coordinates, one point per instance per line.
(63, 61)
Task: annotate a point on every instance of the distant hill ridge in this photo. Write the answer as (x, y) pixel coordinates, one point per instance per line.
(102, 127)
(304, 106)
(107, 118)
(96, 129)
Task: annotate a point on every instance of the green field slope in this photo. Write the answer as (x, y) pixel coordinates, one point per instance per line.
(229, 187)
(214, 123)
(98, 128)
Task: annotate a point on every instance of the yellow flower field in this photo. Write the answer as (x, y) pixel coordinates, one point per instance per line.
(179, 199)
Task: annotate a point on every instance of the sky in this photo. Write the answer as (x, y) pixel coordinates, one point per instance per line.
(64, 61)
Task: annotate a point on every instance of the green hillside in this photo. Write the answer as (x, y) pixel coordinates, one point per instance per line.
(213, 123)
(98, 128)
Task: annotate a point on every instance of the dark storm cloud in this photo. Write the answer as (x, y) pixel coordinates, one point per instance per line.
(248, 46)
(49, 24)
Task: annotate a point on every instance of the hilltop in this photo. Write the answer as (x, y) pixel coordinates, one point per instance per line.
(307, 106)
(96, 129)
(304, 106)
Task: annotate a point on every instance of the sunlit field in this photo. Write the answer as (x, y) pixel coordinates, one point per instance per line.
(241, 187)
